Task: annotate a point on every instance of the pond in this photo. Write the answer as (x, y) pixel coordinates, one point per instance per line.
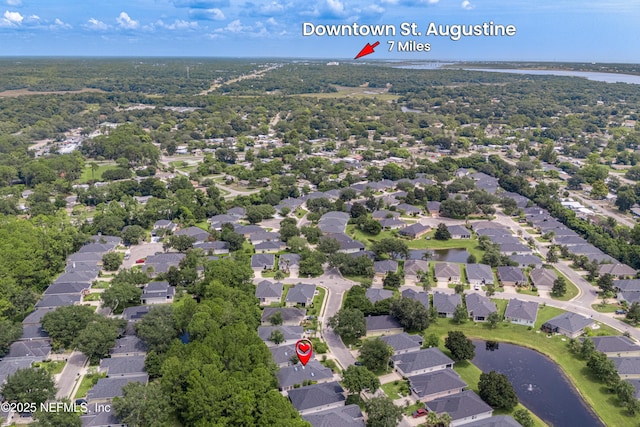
(442, 255)
(539, 383)
(589, 75)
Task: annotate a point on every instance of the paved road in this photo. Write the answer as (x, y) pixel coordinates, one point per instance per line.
(141, 251)
(71, 372)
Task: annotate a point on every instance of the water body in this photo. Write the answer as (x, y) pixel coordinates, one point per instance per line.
(589, 75)
(442, 255)
(539, 383)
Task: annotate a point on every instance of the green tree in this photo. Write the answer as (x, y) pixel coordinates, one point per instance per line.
(9, 332)
(65, 323)
(460, 314)
(552, 256)
(431, 340)
(497, 391)
(625, 391)
(442, 232)
(143, 405)
(460, 346)
(98, 337)
(181, 243)
(523, 417)
(411, 313)
(133, 234)
(392, 280)
(371, 226)
(391, 247)
(57, 418)
(32, 385)
(587, 349)
(328, 245)
(599, 190)
(493, 320)
(349, 324)
(158, 328)
(459, 288)
(559, 287)
(382, 412)
(121, 295)
(633, 313)
(276, 336)
(358, 378)
(111, 261)
(375, 354)
(605, 283)
(625, 199)
(276, 318)
(603, 368)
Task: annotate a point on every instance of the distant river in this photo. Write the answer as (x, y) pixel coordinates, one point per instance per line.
(599, 77)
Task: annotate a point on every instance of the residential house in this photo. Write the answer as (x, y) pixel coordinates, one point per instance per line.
(283, 354)
(197, 233)
(317, 397)
(434, 208)
(495, 421)
(382, 325)
(375, 294)
(269, 293)
(291, 316)
(213, 248)
(521, 312)
(217, 221)
(446, 304)
(542, 278)
(237, 212)
(409, 209)
(479, 307)
(433, 385)
(403, 342)
(58, 288)
(628, 367)
(463, 408)
(414, 269)
(479, 274)
(421, 296)
(35, 350)
(263, 236)
(286, 262)
(344, 416)
(616, 346)
(291, 334)
(527, 260)
(446, 272)
(569, 324)
(511, 276)
(290, 376)
(60, 300)
(161, 262)
(459, 232)
(158, 293)
(271, 247)
(414, 231)
(300, 294)
(636, 384)
(108, 388)
(383, 267)
(94, 418)
(392, 223)
(384, 214)
(347, 244)
(167, 225)
(514, 249)
(619, 271)
(421, 362)
(333, 222)
(261, 262)
(122, 366)
(128, 345)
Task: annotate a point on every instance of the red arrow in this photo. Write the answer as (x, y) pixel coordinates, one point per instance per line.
(367, 50)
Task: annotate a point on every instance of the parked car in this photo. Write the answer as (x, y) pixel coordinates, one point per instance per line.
(140, 261)
(621, 311)
(420, 413)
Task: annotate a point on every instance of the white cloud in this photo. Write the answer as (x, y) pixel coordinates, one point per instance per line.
(272, 21)
(94, 24)
(125, 21)
(466, 5)
(335, 6)
(178, 24)
(235, 26)
(14, 2)
(12, 18)
(59, 25)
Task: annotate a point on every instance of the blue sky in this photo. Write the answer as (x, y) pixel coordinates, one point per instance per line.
(558, 30)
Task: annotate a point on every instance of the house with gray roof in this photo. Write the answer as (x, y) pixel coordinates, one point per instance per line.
(392, 223)
(616, 346)
(135, 313)
(618, 270)
(237, 212)
(421, 296)
(347, 244)
(33, 332)
(382, 214)
(291, 316)
(521, 312)
(218, 247)
(108, 388)
(288, 261)
(263, 236)
(446, 304)
(514, 249)
(459, 232)
(100, 419)
(161, 262)
(542, 278)
(382, 325)
(59, 300)
(495, 421)
(628, 367)
(409, 209)
(269, 292)
(289, 376)
(217, 221)
(446, 272)
(403, 342)
(263, 262)
(636, 384)
(270, 247)
(627, 285)
(248, 230)
(88, 257)
(77, 277)
(479, 307)
(569, 324)
(165, 224)
(37, 350)
(300, 294)
(344, 416)
(158, 293)
(421, 362)
(317, 397)
(511, 276)
(383, 267)
(414, 231)
(128, 345)
(282, 354)
(479, 274)
(433, 207)
(35, 317)
(197, 233)
(66, 288)
(463, 408)
(122, 366)
(433, 385)
(527, 260)
(376, 294)
(291, 334)
(333, 222)
(9, 366)
(413, 268)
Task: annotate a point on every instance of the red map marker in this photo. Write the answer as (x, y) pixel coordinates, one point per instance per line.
(367, 50)
(304, 350)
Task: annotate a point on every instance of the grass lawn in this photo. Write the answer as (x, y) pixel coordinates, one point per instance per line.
(607, 308)
(92, 297)
(53, 367)
(396, 389)
(88, 175)
(88, 381)
(501, 305)
(470, 374)
(527, 291)
(100, 284)
(408, 411)
(594, 393)
(572, 290)
(317, 303)
(203, 225)
(300, 212)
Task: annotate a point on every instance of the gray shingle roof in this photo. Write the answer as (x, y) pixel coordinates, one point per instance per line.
(571, 322)
(526, 259)
(479, 272)
(122, 366)
(542, 277)
(128, 344)
(403, 341)
(478, 305)
(316, 395)
(37, 348)
(523, 310)
(495, 421)
(161, 262)
(446, 303)
(435, 382)
(627, 365)
(461, 405)
(381, 323)
(446, 270)
(419, 360)
(135, 313)
(282, 353)
(423, 297)
(263, 260)
(627, 285)
(288, 313)
(301, 293)
(267, 289)
(293, 260)
(412, 266)
(347, 416)
(297, 374)
(510, 274)
(58, 300)
(108, 388)
(617, 270)
(35, 317)
(375, 294)
(289, 332)
(414, 230)
(614, 344)
(385, 266)
(66, 288)
(458, 230)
